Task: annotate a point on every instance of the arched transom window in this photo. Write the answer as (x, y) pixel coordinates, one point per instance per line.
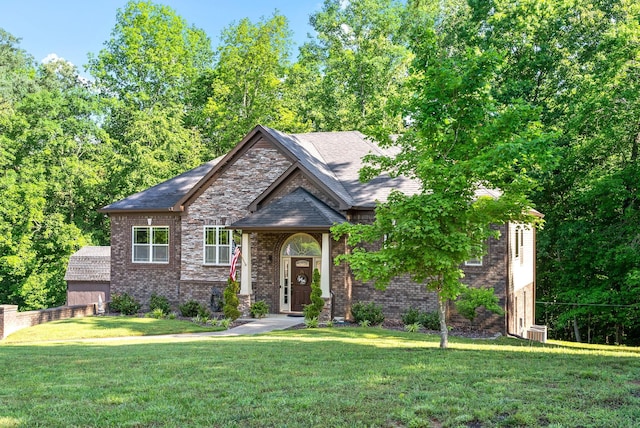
(301, 244)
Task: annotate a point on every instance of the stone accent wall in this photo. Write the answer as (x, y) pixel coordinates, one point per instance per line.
(11, 320)
(226, 201)
(143, 279)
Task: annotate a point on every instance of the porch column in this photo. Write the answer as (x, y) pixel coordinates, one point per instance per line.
(325, 266)
(245, 265)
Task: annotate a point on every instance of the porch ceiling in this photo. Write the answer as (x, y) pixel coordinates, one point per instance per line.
(299, 210)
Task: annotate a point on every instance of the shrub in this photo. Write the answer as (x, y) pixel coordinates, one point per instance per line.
(367, 312)
(193, 308)
(124, 303)
(314, 309)
(259, 309)
(231, 301)
(412, 328)
(430, 320)
(411, 316)
(159, 302)
(226, 323)
(365, 323)
(200, 319)
(311, 322)
(157, 313)
(473, 298)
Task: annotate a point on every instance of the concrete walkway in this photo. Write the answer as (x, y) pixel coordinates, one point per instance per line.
(263, 325)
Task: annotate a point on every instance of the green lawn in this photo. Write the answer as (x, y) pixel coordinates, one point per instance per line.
(101, 327)
(340, 377)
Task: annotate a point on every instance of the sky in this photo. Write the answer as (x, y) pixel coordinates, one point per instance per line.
(70, 29)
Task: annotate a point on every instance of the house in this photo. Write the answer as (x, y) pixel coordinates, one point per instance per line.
(277, 195)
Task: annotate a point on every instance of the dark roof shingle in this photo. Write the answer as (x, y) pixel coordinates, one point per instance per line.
(90, 264)
(298, 210)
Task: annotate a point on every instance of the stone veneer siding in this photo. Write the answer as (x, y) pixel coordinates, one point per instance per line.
(225, 202)
(143, 279)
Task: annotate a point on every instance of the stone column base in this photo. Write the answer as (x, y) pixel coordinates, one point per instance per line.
(245, 304)
(325, 315)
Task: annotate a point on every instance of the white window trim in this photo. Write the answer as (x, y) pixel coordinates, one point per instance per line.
(216, 245)
(151, 245)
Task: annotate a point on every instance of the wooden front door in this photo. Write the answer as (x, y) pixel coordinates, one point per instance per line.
(301, 275)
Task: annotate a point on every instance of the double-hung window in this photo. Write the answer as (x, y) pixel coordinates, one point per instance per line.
(218, 244)
(150, 244)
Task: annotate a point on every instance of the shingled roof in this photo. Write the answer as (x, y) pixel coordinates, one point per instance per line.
(331, 158)
(163, 196)
(90, 264)
(298, 210)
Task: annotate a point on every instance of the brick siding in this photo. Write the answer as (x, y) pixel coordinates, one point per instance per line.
(143, 279)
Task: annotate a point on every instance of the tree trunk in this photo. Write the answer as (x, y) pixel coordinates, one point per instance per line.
(442, 314)
(576, 330)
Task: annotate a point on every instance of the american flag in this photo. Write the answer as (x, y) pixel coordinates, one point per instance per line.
(234, 260)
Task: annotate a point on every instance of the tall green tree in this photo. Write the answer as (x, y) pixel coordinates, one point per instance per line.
(362, 60)
(246, 87)
(145, 74)
(50, 186)
(461, 137)
(152, 57)
(576, 61)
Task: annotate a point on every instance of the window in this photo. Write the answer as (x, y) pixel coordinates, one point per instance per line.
(519, 241)
(151, 244)
(474, 262)
(301, 244)
(218, 245)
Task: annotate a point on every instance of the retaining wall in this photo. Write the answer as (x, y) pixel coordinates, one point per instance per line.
(11, 320)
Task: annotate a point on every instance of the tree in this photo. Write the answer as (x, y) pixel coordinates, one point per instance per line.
(245, 87)
(50, 184)
(152, 58)
(576, 61)
(362, 61)
(461, 137)
(145, 74)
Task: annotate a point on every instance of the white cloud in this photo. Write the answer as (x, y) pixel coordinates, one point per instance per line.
(53, 57)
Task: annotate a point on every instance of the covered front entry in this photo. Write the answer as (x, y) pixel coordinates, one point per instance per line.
(298, 214)
(300, 255)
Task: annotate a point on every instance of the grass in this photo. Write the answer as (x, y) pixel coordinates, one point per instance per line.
(340, 377)
(103, 327)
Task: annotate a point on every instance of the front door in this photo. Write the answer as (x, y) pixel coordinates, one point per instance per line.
(301, 275)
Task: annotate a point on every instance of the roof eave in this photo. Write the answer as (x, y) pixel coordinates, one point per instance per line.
(282, 228)
(171, 210)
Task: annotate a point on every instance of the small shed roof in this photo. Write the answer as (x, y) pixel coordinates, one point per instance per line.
(90, 264)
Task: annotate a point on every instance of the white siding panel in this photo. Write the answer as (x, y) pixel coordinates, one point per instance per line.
(522, 259)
